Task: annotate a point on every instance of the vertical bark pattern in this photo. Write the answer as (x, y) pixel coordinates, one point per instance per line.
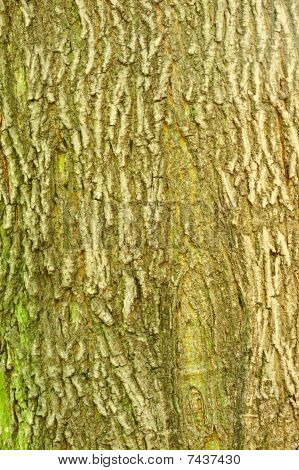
(148, 231)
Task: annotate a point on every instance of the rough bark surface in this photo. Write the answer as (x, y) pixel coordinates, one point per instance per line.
(148, 225)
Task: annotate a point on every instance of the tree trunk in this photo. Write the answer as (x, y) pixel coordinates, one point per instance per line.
(148, 224)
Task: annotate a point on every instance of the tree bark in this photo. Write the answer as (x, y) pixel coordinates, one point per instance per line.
(148, 236)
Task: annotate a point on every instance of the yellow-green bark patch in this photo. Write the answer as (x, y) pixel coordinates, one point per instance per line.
(5, 244)
(61, 162)
(21, 84)
(74, 312)
(212, 443)
(22, 316)
(22, 437)
(4, 413)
